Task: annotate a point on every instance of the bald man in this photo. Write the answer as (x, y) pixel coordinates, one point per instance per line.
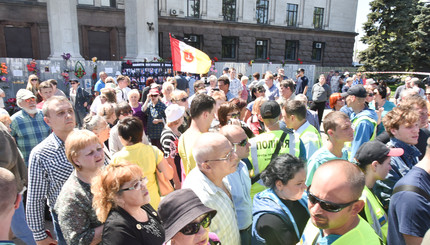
(216, 158)
(334, 206)
(9, 201)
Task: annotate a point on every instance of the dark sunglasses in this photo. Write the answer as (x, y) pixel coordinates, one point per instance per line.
(193, 228)
(34, 80)
(261, 90)
(183, 99)
(126, 113)
(370, 94)
(154, 95)
(241, 143)
(326, 205)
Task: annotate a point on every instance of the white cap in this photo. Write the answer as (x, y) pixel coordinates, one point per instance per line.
(174, 112)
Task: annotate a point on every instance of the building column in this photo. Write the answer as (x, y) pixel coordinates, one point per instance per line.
(63, 29)
(141, 42)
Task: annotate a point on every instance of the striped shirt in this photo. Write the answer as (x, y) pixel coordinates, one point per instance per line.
(48, 171)
(28, 131)
(224, 224)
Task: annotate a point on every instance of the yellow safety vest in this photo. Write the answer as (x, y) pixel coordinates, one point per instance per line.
(262, 148)
(311, 134)
(362, 234)
(375, 214)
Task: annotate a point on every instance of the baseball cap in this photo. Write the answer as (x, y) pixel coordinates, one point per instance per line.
(180, 208)
(374, 150)
(24, 94)
(153, 91)
(270, 109)
(356, 90)
(174, 112)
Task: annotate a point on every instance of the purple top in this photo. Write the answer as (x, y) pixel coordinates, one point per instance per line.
(137, 112)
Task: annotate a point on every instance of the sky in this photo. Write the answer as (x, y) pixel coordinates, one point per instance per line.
(363, 9)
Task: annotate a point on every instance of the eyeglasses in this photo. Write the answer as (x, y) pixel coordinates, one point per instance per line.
(137, 186)
(126, 113)
(32, 99)
(370, 94)
(193, 228)
(326, 205)
(73, 82)
(183, 99)
(233, 115)
(242, 143)
(226, 158)
(34, 79)
(261, 90)
(154, 95)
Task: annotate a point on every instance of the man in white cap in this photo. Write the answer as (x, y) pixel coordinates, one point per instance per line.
(28, 126)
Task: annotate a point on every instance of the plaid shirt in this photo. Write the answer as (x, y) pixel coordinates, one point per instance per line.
(155, 112)
(28, 131)
(48, 171)
(224, 224)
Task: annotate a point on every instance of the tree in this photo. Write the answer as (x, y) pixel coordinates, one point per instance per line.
(421, 50)
(388, 33)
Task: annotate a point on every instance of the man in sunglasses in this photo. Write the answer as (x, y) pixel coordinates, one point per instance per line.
(334, 204)
(216, 158)
(240, 182)
(28, 126)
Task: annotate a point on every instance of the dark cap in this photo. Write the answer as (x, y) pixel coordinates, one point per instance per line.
(375, 150)
(179, 208)
(356, 90)
(225, 68)
(270, 109)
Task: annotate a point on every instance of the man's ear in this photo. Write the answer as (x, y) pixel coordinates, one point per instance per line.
(357, 207)
(46, 119)
(330, 132)
(17, 201)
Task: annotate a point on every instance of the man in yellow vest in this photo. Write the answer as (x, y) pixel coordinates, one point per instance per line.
(271, 143)
(363, 119)
(334, 203)
(294, 115)
(374, 158)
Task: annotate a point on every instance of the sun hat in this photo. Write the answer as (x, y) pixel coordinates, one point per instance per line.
(178, 209)
(174, 112)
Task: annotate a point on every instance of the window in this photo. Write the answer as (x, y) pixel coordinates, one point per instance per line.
(318, 17)
(99, 45)
(317, 51)
(193, 8)
(229, 10)
(261, 49)
(108, 3)
(18, 42)
(86, 2)
(291, 50)
(292, 14)
(229, 47)
(193, 40)
(262, 11)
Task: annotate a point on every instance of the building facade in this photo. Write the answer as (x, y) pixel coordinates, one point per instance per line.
(319, 32)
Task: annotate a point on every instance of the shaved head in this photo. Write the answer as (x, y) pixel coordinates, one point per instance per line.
(9, 190)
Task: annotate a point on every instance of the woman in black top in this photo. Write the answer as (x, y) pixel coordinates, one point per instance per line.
(280, 213)
(121, 200)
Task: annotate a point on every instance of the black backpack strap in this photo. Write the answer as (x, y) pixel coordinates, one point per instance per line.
(274, 155)
(411, 188)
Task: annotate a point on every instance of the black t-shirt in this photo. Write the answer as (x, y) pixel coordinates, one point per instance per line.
(275, 231)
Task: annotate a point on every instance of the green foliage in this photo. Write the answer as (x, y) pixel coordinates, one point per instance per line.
(397, 34)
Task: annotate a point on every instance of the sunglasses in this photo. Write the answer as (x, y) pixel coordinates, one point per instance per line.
(34, 80)
(126, 113)
(326, 205)
(73, 82)
(183, 99)
(233, 115)
(137, 186)
(241, 143)
(226, 158)
(193, 228)
(262, 90)
(370, 94)
(32, 99)
(154, 95)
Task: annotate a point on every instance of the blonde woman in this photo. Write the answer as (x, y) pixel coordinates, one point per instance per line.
(167, 93)
(121, 200)
(255, 121)
(33, 86)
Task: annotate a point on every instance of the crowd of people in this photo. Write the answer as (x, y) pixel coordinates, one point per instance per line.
(236, 160)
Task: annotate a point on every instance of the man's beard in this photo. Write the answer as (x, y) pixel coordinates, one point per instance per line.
(30, 111)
